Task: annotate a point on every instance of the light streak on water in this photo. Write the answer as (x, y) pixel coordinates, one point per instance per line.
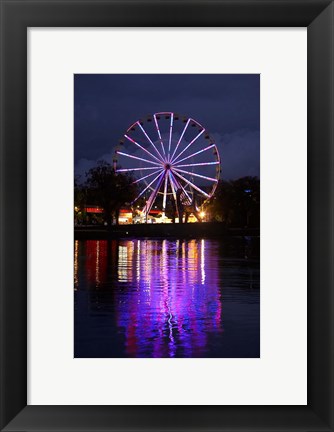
(165, 298)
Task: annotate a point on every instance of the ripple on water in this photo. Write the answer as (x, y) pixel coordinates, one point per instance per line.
(167, 298)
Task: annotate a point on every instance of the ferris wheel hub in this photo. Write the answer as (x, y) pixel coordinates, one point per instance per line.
(171, 158)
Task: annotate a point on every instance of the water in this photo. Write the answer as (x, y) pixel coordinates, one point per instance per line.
(167, 298)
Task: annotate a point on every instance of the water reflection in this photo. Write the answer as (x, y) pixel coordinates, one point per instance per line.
(165, 298)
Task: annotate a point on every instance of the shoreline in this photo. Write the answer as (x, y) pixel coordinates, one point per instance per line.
(190, 230)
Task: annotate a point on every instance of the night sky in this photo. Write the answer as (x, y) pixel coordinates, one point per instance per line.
(228, 106)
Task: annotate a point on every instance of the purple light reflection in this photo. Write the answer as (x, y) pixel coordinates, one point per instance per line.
(166, 298)
(175, 297)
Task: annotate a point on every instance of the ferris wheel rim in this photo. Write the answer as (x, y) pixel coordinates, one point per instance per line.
(169, 165)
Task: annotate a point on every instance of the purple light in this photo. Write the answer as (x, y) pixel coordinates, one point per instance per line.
(192, 184)
(198, 124)
(172, 185)
(144, 149)
(170, 134)
(198, 152)
(148, 175)
(171, 296)
(141, 159)
(157, 126)
(133, 125)
(135, 169)
(179, 186)
(153, 195)
(149, 185)
(191, 142)
(178, 143)
(141, 127)
(167, 161)
(165, 194)
(196, 175)
(198, 164)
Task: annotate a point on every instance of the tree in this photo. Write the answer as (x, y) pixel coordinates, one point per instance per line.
(220, 206)
(236, 202)
(80, 198)
(246, 201)
(109, 189)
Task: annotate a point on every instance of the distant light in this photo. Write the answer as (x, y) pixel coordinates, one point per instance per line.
(248, 190)
(202, 214)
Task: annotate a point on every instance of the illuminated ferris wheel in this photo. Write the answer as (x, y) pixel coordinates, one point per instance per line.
(171, 157)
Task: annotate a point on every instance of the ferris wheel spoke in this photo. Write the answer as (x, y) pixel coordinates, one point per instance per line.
(179, 186)
(196, 153)
(149, 139)
(191, 184)
(165, 161)
(136, 169)
(191, 142)
(138, 158)
(195, 175)
(152, 197)
(148, 175)
(147, 207)
(159, 134)
(141, 147)
(197, 164)
(172, 185)
(148, 186)
(165, 195)
(170, 135)
(180, 139)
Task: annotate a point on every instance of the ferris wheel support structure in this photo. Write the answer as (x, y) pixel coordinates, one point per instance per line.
(170, 159)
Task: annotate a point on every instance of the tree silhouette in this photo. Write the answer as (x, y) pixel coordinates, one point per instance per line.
(236, 202)
(109, 189)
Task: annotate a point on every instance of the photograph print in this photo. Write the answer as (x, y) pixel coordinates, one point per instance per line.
(166, 215)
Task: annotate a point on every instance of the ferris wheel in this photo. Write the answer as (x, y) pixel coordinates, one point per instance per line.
(172, 157)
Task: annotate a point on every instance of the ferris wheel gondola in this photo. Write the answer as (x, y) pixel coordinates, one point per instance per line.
(168, 153)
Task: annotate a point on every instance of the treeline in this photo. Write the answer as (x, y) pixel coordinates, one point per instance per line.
(104, 188)
(236, 203)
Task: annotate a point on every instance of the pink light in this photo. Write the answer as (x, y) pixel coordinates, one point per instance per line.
(171, 184)
(157, 126)
(198, 164)
(135, 157)
(196, 175)
(165, 194)
(131, 126)
(135, 169)
(170, 133)
(191, 142)
(148, 175)
(163, 113)
(149, 185)
(192, 184)
(179, 185)
(178, 143)
(166, 163)
(200, 151)
(198, 124)
(141, 127)
(153, 195)
(144, 149)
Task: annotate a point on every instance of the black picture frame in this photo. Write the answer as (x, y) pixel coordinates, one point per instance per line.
(16, 17)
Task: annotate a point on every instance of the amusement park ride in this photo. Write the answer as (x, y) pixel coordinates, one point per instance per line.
(173, 158)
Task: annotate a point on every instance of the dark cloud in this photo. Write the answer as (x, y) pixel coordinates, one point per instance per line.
(228, 106)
